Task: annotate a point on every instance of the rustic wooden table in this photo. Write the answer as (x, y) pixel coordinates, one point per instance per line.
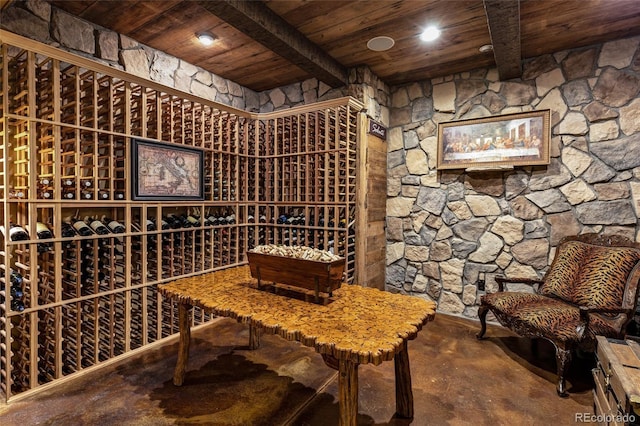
(359, 325)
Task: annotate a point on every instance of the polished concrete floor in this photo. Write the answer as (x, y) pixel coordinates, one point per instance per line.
(457, 380)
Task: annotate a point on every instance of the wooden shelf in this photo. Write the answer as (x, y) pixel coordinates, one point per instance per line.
(287, 177)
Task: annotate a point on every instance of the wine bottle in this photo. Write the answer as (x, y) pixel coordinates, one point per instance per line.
(16, 292)
(16, 232)
(43, 232)
(113, 225)
(230, 219)
(17, 305)
(67, 230)
(16, 193)
(184, 223)
(44, 189)
(68, 189)
(82, 228)
(193, 220)
(173, 221)
(97, 226)
(15, 278)
(86, 194)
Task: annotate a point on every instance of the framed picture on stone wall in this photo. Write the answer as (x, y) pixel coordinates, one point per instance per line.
(504, 141)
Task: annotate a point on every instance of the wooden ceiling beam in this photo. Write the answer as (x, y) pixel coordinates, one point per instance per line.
(503, 18)
(260, 23)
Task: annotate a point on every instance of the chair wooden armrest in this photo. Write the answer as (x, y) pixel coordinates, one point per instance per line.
(501, 280)
(584, 316)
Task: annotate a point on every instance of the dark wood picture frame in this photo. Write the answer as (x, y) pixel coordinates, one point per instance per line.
(504, 141)
(166, 172)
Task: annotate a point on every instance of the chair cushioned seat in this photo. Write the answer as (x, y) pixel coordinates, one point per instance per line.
(545, 317)
(590, 289)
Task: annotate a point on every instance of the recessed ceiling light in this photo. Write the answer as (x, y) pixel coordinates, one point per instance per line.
(206, 39)
(486, 48)
(381, 43)
(430, 33)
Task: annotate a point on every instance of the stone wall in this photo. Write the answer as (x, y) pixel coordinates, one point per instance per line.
(38, 20)
(447, 228)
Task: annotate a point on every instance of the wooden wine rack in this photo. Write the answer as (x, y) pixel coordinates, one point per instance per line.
(66, 124)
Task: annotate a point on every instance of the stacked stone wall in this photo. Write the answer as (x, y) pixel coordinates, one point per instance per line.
(447, 229)
(38, 20)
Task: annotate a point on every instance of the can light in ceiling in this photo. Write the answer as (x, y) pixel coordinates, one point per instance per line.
(206, 39)
(430, 33)
(380, 43)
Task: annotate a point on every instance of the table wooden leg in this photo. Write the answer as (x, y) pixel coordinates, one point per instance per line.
(404, 394)
(254, 336)
(348, 392)
(184, 322)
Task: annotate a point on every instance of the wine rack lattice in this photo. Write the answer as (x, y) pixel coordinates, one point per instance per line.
(81, 259)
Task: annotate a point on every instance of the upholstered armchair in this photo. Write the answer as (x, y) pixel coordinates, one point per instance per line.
(590, 289)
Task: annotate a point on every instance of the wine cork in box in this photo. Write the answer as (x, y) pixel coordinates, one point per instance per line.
(297, 266)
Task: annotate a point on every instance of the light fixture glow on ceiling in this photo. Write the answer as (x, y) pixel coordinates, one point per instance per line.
(380, 43)
(430, 33)
(206, 39)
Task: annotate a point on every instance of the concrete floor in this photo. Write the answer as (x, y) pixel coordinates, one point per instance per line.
(457, 380)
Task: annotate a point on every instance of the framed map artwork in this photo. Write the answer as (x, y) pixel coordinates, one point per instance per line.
(166, 172)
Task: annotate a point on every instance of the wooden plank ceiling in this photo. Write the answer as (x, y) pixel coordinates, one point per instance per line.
(268, 44)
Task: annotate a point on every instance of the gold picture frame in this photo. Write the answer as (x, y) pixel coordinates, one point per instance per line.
(504, 141)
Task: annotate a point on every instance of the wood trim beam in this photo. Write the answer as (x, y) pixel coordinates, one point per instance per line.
(503, 18)
(263, 25)
(5, 4)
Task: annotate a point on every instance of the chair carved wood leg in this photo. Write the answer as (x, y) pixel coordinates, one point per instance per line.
(563, 359)
(482, 314)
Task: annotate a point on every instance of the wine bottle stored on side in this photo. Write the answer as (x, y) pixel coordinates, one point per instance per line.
(82, 228)
(17, 305)
(68, 230)
(16, 232)
(113, 225)
(97, 226)
(193, 220)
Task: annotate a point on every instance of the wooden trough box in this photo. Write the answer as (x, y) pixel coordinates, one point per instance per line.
(317, 276)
